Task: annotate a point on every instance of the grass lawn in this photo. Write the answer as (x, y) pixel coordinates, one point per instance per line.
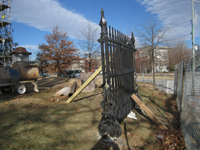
(33, 122)
(157, 76)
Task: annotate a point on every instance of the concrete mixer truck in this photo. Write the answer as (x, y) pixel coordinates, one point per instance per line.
(18, 73)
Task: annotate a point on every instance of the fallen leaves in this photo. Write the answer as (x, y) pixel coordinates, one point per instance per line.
(173, 137)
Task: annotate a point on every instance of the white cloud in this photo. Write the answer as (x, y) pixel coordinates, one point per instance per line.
(46, 14)
(32, 59)
(175, 14)
(137, 42)
(30, 48)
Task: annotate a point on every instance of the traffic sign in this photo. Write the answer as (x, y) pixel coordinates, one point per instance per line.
(196, 47)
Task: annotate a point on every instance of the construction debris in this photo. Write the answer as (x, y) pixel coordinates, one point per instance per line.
(132, 115)
(64, 91)
(73, 89)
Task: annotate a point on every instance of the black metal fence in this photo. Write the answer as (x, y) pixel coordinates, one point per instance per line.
(118, 66)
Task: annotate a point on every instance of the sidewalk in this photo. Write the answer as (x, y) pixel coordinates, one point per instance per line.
(166, 86)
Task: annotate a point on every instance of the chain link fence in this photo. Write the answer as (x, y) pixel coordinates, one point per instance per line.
(188, 102)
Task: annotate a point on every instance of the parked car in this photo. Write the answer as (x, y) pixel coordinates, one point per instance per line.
(69, 74)
(44, 74)
(72, 74)
(77, 74)
(197, 69)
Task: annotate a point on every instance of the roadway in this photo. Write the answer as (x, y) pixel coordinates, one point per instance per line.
(166, 84)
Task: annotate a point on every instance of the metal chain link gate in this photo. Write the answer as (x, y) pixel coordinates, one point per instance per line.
(118, 67)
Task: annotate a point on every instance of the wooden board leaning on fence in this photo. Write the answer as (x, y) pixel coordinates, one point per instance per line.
(133, 96)
(84, 85)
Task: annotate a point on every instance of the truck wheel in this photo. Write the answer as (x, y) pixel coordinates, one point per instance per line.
(6, 89)
(20, 89)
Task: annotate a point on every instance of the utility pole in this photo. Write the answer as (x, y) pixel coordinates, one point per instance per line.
(193, 43)
(193, 52)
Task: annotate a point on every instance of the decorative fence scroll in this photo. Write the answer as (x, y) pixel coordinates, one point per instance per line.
(118, 66)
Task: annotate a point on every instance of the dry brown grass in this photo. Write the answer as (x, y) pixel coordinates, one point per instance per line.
(31, 121)
(157, 77)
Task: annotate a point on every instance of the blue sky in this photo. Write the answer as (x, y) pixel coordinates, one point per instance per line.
(32, 19)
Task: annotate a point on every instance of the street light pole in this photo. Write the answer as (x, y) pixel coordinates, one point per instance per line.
(193, 51)
(193, 43)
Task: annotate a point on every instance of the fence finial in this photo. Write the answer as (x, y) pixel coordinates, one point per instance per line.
(133, 39)
(103, 23)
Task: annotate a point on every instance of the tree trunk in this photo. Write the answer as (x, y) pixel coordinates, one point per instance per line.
(41, 69)
(59, 69)
(89, 63)
(153, 62)
(90, 66)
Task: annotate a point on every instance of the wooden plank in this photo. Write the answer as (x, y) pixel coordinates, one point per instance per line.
(148, 111)
(63, 91)
(84, 84)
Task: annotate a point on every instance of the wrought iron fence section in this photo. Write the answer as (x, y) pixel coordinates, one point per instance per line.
(118, 67)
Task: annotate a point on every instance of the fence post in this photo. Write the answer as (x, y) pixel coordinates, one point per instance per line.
(175, 79)
(142, 77)
(179, 95)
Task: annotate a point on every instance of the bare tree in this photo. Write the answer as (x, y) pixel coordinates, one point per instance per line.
(152, 34)
(143, 61)
(88, 44)
(178, 52)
